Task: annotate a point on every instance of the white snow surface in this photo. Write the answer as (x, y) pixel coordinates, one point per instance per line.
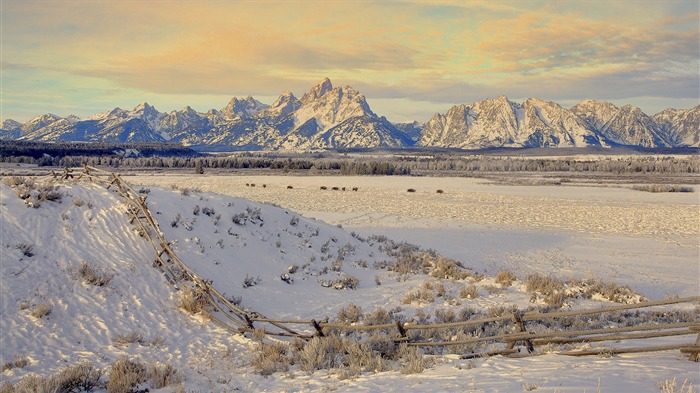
(649, 241)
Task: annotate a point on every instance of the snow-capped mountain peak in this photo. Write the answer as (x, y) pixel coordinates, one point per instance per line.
(248, 106)
(317, 91)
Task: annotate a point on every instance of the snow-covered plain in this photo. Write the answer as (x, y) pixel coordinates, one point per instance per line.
(648, 241)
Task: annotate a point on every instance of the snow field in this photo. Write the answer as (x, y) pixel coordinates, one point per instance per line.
(86, 319)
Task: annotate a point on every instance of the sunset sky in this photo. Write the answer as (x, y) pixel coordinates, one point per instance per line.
(409, 58)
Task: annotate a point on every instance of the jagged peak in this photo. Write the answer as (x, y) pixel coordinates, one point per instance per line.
(144, 107)
(318, 91)
(285, 97)
(587, 103)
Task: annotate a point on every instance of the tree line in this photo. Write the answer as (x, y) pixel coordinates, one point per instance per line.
(176, 156)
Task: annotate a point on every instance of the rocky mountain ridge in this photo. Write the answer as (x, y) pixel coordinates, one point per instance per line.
(329, 117)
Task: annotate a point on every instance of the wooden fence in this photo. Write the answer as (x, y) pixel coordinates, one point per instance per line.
(238, 320)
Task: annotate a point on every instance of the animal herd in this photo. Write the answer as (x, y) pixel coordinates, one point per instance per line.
(324, 188)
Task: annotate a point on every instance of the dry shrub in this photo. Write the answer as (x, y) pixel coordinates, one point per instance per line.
(126, 339)
(26, 248)
(270, 358)
(445, 316)
(662, 188)
(83, 377)
(608, 290)
(422, 295)
(443, 267)
(379, 316)
(360, 358)
(382, 344)
(349, 314)
(192, 301)
(469, 292)
(551, 289)
(505, 278)
(124, 375)
(36, 384)
(14, 181)
(320, 353)
(42, 310)
(19, 361)
(92, 275)
(7, 387)
(162, 375)
(411, 359)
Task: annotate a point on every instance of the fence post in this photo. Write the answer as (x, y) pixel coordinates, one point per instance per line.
(401, 329)
(319, 330)
(517, 317)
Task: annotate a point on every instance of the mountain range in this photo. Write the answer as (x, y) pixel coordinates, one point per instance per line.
(330, 117)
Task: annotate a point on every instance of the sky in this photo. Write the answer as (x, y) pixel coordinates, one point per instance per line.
(410, 58)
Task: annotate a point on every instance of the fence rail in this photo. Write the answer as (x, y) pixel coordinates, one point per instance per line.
(237, 320)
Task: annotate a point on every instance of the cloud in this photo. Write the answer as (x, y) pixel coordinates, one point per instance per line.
(427, 51)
